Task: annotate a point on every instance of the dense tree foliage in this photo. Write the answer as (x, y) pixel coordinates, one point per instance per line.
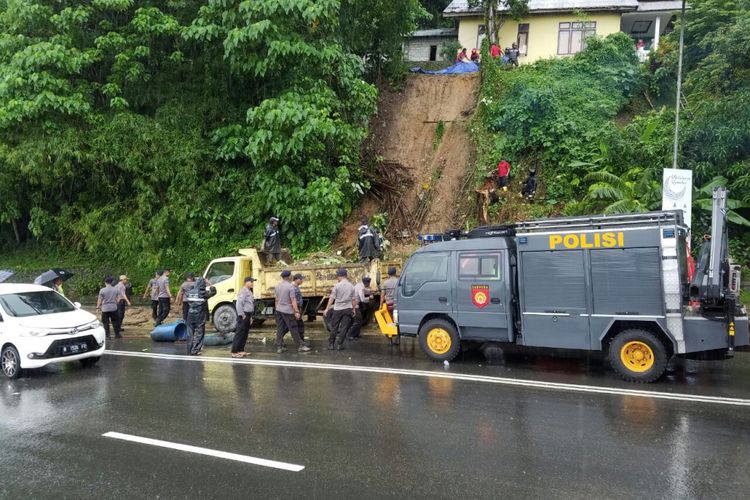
(150, 131)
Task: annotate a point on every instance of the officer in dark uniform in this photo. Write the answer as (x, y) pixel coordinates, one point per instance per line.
(272, 239)
(197, 300)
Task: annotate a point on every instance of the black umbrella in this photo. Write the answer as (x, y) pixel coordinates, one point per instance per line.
(52, 275)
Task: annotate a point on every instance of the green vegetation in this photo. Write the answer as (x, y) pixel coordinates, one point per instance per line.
(599, 126)
(439, 131)
(137, 133)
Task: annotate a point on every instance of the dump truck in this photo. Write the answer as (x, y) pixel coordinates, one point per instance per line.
(227, 275)
(618, 284)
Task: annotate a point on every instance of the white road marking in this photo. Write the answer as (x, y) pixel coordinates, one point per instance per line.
(205, 451)
(537, 384)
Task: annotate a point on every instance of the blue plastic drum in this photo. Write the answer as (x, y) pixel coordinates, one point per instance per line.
(170, 332)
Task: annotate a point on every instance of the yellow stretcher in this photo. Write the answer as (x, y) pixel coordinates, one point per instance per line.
(385, 323)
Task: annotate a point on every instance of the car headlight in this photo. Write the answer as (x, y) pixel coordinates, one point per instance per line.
(94, 324)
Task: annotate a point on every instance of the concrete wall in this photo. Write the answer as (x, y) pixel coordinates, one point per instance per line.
(418, 49)
(543, 31)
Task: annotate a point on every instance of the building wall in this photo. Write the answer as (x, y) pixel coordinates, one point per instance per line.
(543, 31)
(418, 49)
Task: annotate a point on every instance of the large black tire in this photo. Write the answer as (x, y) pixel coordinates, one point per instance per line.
(225, 318)
(439, 339)
(10, 362)
(89, 362)
(638, 355)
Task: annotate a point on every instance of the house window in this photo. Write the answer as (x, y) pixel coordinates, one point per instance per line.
(523, 39)
(572, 36)
(641, 27)
(433, 52)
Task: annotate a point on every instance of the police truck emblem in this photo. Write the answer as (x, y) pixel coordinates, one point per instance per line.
(480, 295)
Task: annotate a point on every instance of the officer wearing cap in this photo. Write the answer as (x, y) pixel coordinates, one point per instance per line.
(344, 304)
(390, 285)
(197, 299)
(186, 285)
(362, 295)
(272, 239)
(153, 289)
(245, 310)
(287, 314)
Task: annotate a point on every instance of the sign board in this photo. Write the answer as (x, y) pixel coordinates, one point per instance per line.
(677, 192)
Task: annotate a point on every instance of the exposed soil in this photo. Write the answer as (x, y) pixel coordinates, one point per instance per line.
(432, 172)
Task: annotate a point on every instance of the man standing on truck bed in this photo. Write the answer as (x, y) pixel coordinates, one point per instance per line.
(245, 310)
(367, 242)
(287, 314)
(344, 303)
(272, 239)
(389, 289)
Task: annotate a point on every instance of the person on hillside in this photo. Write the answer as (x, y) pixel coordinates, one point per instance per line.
(165, 297)
(122, 288)
(245, 311)
(474, 56)
(197, 299)
(503, 173)
(368, 242)
(344, 303)
(272, 239)
(152, 290)
(513, 54)
(106, 303)
(180, 299)
(463, 56)
(287, 314)
(495, 51)
(529, 185)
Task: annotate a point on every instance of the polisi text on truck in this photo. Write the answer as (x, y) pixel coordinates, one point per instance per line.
(570, 241)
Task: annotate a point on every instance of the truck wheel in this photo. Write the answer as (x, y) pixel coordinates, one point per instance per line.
(225, 318)
(10, 362)
(439, 340)
(638, 355)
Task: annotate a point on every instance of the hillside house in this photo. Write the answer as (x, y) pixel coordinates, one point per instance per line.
(558, 28)
(426, 45)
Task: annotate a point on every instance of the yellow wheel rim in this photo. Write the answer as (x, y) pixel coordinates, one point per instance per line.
(637, 356)
(438, 340)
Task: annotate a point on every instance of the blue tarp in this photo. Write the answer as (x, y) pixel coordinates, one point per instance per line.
(456, 69)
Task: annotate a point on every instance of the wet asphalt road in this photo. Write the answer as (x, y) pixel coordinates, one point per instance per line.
(369, 435)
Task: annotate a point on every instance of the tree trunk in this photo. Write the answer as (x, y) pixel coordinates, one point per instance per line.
(15, 230)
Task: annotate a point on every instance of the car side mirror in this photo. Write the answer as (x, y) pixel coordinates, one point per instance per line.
(77, 305)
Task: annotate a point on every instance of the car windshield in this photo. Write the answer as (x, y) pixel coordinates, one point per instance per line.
(35, 303)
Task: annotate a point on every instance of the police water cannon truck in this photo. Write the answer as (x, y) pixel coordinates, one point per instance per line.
(612, 283)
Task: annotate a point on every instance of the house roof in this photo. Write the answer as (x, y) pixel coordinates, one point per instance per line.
(461, 7)
(446, 32)
(659, 5)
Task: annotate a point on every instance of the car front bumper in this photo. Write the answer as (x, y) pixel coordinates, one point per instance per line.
(36, 352)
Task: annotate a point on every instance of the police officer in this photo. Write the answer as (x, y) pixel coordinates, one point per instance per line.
(368, 242)
(153, 289)
(245, 310)
(197, 300)
(180, 299)
(388, 296)
(287, 314)
(360, 311)
(272, 239)
(165, 297)
(297, 280)
(344, 303)
(122, 288)
(106, 303)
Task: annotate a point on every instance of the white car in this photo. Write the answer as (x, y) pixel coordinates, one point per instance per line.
(38, 326)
